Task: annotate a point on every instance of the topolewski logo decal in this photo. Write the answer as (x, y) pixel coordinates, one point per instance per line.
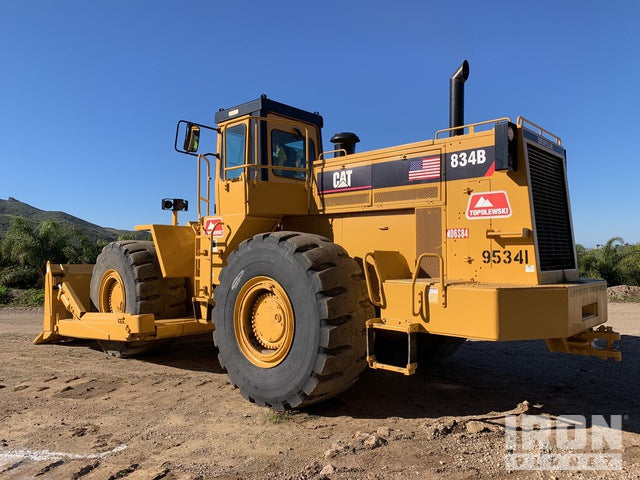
(488, 205)
(213, 226)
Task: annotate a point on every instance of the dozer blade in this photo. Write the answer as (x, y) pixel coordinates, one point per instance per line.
(78, 279)
(66, 313)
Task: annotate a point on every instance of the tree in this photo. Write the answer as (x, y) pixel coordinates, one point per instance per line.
(616, 262)
(587, 262)
(609, 264)
(629, 265)
(79, 249)
(27, 248)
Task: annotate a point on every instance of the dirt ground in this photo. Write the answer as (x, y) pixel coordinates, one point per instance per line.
(70, 411)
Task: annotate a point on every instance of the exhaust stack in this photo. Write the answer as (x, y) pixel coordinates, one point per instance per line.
(456, 98)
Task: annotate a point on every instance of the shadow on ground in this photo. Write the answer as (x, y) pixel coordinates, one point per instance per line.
(196, 353)
(480, 378)
(485, 377)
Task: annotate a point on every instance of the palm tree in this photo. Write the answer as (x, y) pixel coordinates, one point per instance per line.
(615, 261)
(29, 247)
(610, 256)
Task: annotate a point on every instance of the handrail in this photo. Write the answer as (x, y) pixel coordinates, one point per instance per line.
(377, 303)
(266, 167)
(321, 156)
(472, 126)
(414, 278)
(521, 121)
(523, 233)
(207, 199)
(246, 167)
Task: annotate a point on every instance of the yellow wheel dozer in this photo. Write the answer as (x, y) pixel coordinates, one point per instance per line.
(310, 265)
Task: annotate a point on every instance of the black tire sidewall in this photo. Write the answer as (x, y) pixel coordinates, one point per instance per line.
(113, 258)
(279, 383)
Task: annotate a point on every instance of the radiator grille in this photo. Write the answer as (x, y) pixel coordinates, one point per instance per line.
(399, 195)
(353, 199)
(429, 238)
(550, 205)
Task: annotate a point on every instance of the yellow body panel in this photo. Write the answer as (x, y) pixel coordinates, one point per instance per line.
(498, 312)
(107, 326)
(172, 242)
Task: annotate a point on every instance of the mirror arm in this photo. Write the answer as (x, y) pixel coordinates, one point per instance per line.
(180, 122)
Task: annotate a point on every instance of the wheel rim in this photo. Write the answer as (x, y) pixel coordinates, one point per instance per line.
(112, 297)
(263, 322)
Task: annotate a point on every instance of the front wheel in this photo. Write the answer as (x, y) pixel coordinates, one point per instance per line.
(127, 279)
(290, 316)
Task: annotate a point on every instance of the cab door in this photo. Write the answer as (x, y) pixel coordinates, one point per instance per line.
(234, 168)
(290, 147)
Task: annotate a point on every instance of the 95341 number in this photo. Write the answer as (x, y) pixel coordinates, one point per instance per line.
(505, 256)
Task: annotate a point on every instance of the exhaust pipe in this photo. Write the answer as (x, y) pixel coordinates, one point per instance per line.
(456, 98)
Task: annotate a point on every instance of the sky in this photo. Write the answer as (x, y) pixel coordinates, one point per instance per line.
(90, 91)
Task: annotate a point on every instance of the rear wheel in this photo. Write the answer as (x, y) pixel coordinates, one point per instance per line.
(290, 319)
(127, 279)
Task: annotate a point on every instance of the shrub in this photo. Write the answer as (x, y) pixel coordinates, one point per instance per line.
(19, 276)
(4, 295)
(616, 262)
(33, 297)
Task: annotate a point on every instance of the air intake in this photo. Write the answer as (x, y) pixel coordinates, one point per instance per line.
(344, 141)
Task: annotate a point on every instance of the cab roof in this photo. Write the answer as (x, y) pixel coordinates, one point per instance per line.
(262, 106)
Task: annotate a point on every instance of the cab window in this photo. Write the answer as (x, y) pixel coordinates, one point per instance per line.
(288, 150)
(235, 141)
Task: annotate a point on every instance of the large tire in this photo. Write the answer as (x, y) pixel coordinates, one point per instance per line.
(127, 278)
(290, 316)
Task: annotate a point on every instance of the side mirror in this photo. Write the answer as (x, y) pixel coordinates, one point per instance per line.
(191, 142)
(192, 138)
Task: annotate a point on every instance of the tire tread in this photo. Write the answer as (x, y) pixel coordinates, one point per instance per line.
(343, 306)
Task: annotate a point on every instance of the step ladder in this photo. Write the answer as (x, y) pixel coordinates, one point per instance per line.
(410, 329)
(394, 279)
(205, 247)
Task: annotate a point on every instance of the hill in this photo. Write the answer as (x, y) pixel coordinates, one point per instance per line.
(12, 208)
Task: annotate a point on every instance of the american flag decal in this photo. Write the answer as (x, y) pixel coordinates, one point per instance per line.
(424, 168)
